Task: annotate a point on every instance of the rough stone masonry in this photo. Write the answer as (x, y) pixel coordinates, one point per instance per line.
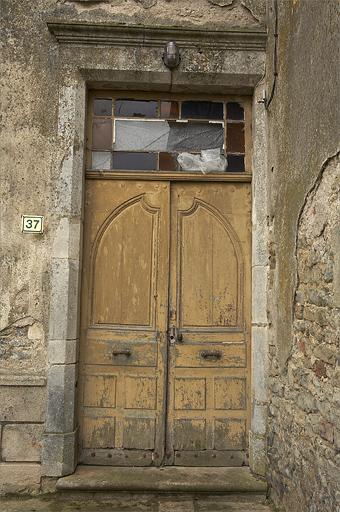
(304, 419)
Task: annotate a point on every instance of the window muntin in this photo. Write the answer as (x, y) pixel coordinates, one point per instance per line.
(167, 135)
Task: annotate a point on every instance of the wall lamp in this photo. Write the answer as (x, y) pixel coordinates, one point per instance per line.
(171, 55)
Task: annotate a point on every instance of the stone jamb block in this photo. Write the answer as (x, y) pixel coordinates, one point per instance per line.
(59, 454)
(260, 294)
(260, 240)
(260, 364)
(64, 300)
(62, 352)
(259, 419)
(70, 178)
(66, 244)
(61, 390)
(257, 454)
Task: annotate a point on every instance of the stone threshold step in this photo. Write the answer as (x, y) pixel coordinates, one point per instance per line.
(164, 479)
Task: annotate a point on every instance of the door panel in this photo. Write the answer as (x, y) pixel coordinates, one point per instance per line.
(208, 288)
(124, 266)
(124, 322)
(208, 413)
(194, 355)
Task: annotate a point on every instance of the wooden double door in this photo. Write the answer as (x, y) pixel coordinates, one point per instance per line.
(164, 372)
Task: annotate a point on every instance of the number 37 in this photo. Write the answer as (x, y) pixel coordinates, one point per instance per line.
(32, 223)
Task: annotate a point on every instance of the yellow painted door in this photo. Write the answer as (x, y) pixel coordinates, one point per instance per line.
(164, 373)
(209, 321)
(124, 322)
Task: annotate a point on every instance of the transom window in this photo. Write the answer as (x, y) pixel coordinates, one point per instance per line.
(135, 133)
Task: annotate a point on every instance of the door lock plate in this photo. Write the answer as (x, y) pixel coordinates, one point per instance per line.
(174, 335)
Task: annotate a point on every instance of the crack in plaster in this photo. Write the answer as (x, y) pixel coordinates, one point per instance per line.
(222, 3)
(20, 322)
(311, 192)
(146, 3)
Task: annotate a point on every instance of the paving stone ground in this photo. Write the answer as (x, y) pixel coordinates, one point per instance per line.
(125, 503)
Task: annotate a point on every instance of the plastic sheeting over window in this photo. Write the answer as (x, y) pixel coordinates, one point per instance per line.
(168, 136)
(209, 160)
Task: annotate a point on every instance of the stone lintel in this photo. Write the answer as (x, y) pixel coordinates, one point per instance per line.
(108, 34)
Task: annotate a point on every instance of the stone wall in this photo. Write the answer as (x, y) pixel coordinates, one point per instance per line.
(303, 142)
(304, 431)
(28, 118)
(39, 83)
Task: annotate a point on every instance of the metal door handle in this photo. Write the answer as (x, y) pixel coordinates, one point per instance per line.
(124, 352)
(211, 354)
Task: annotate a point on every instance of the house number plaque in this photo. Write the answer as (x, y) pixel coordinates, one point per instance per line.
(32, 224)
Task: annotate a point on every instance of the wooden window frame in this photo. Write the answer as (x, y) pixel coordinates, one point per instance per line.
(244, 176)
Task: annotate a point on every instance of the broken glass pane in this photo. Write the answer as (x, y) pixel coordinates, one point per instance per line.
(136, 108)
(135, 161)
(169, 110)
(235, 111)
(195, 136)
(102, 134)
(101, 160)
(235, 163)
(168, 162)
(235, 137)
(102, 107)
(167, 136)
(202, 110)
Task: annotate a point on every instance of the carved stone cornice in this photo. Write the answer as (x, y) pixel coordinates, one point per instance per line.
(82, 33)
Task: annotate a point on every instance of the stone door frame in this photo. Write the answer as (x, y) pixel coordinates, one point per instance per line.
(239, 58)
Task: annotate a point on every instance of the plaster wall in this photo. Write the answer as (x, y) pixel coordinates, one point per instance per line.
(303, 147)
(43, 106)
